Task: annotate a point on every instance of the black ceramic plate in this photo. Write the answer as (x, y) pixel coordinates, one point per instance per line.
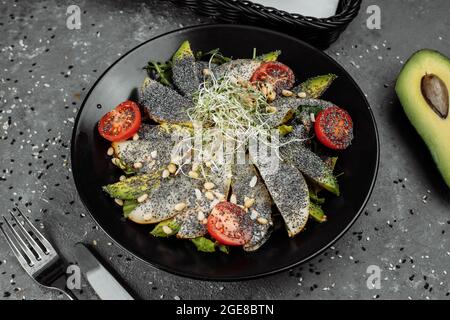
(92, 168)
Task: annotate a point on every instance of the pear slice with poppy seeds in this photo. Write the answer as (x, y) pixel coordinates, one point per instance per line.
(184, 70)
(163, 104)
(289, 192)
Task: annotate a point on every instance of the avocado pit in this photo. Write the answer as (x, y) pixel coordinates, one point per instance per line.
(435, 93)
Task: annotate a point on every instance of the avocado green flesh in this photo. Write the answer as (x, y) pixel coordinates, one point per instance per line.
(133, 187)
(183, 51)
(160, 231)
(128, 206)
(270, 56)
(434, 130)
(316, 212)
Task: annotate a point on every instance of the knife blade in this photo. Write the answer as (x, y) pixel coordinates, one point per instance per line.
(100, 279)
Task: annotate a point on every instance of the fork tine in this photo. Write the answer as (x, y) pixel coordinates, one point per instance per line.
(14, 249)
(29, 238)
(26, 251)
(48, 247)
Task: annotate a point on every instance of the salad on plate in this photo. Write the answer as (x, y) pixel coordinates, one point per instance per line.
(215, 149)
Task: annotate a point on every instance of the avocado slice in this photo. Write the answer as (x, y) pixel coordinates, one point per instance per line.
(314, 87)
(310, 164)
(184, 70)
(128, 206)
(183, 51)
(165, 228)
(269, 56)
(316, 212)
(422, 88)
(133, 187)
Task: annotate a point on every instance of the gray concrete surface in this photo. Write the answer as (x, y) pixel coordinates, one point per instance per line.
(46, 70)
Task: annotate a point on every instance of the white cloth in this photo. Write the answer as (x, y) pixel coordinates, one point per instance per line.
(311, 8)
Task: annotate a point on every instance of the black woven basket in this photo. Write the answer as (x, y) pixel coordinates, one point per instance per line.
(320, 32)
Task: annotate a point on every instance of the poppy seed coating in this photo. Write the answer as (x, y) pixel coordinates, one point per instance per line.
(289, 192)
(163, 104)
(240, 69)
(241, 186)
(152, 138)
(307, 161)
(185, 76)
(190, 226)
(162, 200)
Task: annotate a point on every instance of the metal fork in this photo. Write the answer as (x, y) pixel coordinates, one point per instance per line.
(38, 257)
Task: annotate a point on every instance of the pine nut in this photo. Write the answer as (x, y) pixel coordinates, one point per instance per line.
(233, 198)
(209, 185)
(180, 206)
(135, 137)
(206, 72)
(200, 216)
(142, 198)
(121, 178)
(119, 202)
(165, 173)
(262, 220)
(193, 174)
(137, 165)
(110, 151)
(302, 94)
(264, 91)
(172, 168)
(249, 202)
(287, 93)
(209, 195)
(253, 181)
(198, 194)
(166, 229)
(271, 96)
(154, 154)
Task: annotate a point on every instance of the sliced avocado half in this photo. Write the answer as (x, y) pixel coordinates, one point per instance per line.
(422, 88)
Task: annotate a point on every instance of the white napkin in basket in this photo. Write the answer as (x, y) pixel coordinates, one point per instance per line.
(311, 8)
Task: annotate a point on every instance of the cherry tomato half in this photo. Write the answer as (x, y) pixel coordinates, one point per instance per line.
(334, 128)
(275, 73)
(121, 123)
(229, 224)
